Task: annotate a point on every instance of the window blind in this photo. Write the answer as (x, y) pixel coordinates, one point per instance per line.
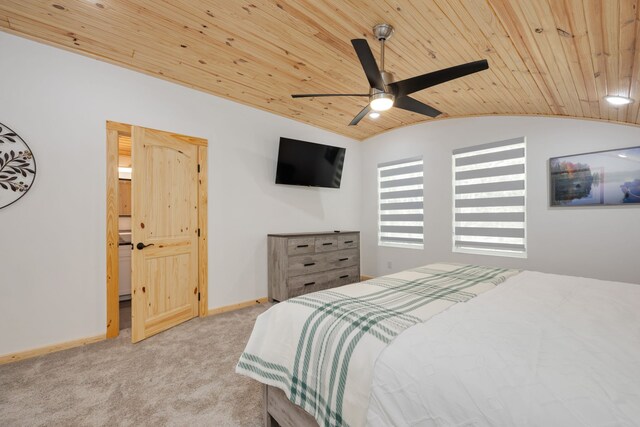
(489, 198)
(400, 195)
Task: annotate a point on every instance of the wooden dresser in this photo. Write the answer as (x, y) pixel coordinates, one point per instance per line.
(309, 262)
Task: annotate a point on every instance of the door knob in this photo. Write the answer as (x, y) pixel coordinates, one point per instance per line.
(141, 245)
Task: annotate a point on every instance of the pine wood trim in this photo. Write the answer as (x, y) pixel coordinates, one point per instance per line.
(238, 306)
(113, 309)
(203, 241)
(27, 354)
(121, 128)
(364, 277)
(190, 139)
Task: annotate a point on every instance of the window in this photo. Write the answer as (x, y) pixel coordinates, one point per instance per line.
(489, 214)
(400, 213)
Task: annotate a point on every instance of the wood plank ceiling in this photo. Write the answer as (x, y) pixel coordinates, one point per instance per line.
(546, 57)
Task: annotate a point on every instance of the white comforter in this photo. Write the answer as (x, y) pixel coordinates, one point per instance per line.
(320, 348)
(539, 350)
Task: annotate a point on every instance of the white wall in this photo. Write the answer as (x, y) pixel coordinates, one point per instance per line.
(599, 242)
(52, 242)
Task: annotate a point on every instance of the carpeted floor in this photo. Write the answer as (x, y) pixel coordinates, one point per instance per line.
(184, 376)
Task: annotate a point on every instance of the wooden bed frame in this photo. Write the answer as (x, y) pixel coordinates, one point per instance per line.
(279, 411)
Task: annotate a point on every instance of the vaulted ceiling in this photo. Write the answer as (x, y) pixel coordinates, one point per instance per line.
(546, 57)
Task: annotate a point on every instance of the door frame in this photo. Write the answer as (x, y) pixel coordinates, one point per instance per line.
(114, 131)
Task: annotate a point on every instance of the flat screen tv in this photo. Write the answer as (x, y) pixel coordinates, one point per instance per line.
(309, 164)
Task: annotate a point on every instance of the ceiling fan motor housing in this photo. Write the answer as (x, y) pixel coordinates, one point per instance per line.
(383, 31)
(387, 77)
(387, 94)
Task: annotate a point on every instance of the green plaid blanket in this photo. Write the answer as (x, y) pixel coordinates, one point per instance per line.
(321, 348)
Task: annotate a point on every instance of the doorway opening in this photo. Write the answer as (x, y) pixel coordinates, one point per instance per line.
(163, 207)
(124, 231)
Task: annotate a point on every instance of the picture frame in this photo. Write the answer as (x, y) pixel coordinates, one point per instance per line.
(599, 178)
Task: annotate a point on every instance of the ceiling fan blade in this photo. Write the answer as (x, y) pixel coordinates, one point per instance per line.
(410, 104)
(360, 115)
(368, 63)
(415, 84)
(316, 95)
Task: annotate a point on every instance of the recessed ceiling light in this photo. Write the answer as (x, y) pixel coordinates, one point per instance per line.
(374, 114)
(624, 156)
(618, 100)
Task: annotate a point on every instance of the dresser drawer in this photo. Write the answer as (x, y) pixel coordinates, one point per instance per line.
(308, 283)
(325, 244)
(348, 241)
(344, 276)
(300, 285)
(305, 264)
(341, 259)
(304, 245)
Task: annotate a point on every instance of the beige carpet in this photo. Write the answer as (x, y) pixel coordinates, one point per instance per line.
(184, 376)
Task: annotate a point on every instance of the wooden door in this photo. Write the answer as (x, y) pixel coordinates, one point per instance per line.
(164, 230)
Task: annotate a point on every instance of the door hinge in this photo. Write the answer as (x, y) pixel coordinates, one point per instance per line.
(198, 296)
(198, 232)
(198, 168)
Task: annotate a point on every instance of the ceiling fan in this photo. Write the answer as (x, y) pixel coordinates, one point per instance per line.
(384, 92)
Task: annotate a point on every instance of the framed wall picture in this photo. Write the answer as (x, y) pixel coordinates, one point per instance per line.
(609, 177)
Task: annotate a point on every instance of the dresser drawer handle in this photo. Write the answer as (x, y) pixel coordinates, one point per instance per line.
(310, 283)
(343, 259)
(310, 264)
(327, 244)
(348, 241)
(344, 277)
(302, 246)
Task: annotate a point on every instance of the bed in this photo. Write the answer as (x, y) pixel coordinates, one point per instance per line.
(450, 344)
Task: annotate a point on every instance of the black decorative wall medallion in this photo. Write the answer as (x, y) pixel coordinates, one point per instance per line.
(17, 167)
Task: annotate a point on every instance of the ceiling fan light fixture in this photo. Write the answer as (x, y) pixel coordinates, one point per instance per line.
(381, 101)
(618, 100)
(385, 91)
